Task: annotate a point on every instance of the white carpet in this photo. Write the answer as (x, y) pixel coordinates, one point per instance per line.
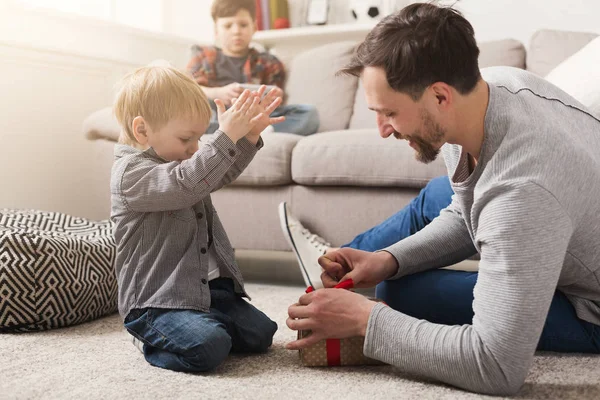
(96, 360)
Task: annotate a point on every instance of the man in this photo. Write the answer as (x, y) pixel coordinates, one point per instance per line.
(523, 162)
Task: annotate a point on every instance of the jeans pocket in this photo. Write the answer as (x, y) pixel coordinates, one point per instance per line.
(134, 314)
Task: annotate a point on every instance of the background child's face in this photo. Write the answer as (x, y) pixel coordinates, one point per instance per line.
(178, 139)
(235, 33)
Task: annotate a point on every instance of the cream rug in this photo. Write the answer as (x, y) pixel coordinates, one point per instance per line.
(97, 361)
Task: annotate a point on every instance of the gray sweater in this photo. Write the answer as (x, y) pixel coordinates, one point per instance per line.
(531, 208)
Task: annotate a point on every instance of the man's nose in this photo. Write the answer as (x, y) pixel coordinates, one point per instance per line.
(385, 130)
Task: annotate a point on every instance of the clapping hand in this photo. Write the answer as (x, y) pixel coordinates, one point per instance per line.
(243, 116)
(267, 105)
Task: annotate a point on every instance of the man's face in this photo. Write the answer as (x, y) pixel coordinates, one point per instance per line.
(399, 115)
(235, 33)
(178, 139)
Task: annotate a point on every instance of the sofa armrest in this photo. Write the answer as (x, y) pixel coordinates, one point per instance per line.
(102, 124)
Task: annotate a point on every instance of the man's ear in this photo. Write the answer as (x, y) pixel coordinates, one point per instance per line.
(139, 127)
(443, 94)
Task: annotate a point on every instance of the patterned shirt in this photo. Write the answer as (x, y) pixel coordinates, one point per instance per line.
(259, 68)
(165, 223)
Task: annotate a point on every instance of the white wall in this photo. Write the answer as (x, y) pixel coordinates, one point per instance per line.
(492, 19)
(519, 19)
(190, 19)
(55, 70)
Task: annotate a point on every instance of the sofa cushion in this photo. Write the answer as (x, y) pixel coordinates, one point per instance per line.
(507, 52)
(102, 124)
(579, 76)
(272, 164)
(312, 80)
(360, 158)
(55, 270)
(548, 48)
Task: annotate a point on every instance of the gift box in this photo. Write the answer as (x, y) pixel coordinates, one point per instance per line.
(335, 352)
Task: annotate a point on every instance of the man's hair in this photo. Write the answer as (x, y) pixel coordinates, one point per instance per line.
(228, 8)
(158, 94)
(419, 45)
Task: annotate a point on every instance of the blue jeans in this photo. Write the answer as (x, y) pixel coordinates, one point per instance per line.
(195, 341)
(433, 198)
(301, 119)
(446, 297)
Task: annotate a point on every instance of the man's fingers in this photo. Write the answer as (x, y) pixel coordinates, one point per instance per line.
(333, 268)
(304, 342)
(306, 298)
(298, 311)
(328, 280)
(303, 324)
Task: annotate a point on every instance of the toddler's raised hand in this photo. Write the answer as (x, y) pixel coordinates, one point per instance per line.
(237, 121)
(267, 105)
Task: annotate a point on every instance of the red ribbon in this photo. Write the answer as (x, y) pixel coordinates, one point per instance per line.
(347, 284)
(333, 347)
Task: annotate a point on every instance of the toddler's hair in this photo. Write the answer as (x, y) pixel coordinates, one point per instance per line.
(158, 94)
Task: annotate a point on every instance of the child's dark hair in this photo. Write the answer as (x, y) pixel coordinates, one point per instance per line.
(228, 8)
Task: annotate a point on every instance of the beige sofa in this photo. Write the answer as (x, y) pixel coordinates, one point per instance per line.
(345, 178)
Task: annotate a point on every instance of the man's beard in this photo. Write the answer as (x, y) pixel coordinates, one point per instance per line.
(426, 152)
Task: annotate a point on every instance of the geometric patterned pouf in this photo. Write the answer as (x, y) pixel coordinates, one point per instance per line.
(55, 270)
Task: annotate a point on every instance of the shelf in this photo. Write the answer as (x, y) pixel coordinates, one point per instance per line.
(322, 33)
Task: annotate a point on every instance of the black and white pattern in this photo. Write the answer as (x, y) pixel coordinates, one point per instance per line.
(55, 270)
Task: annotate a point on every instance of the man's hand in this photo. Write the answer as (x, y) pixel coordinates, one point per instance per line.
(366, 269)
(329, 314)
(268, 104)
(237, 121)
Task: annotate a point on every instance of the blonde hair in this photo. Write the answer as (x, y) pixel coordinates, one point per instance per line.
(157, 94)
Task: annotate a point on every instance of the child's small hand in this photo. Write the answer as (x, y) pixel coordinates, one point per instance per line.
(243, 115)
(267, 105)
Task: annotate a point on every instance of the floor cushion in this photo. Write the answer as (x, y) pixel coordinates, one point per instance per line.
(55, 270)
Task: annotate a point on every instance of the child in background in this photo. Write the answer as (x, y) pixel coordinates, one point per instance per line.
(222, 71)
(180, 289)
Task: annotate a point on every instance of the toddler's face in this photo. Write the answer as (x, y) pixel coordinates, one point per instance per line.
(235, 33)
(178, 139)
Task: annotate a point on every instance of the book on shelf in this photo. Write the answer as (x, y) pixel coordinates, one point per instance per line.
(272, 14)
